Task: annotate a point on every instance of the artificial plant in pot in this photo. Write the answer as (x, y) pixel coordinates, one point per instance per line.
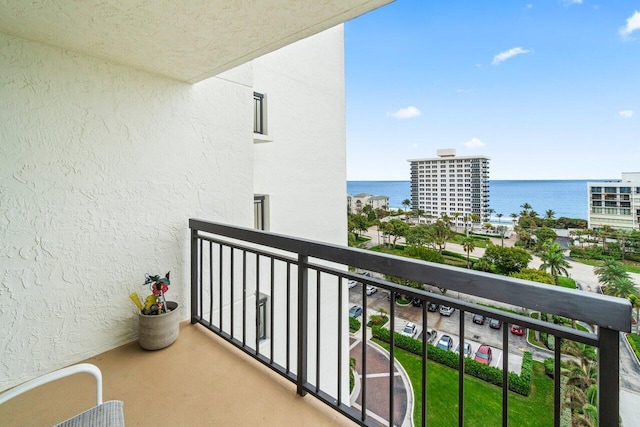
(158, 318)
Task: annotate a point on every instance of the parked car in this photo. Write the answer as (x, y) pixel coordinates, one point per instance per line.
(467, 349)
(417, 302)
(495, 323)
(478, 318)
(483, 355)
(445, 310)
(355, 311)
(352, 283)
(445, 342)
(409, 329)
(517, 330)
(433, 306)
(371, 289)
(430, 335)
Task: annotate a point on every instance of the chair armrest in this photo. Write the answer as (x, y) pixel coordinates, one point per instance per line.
(56, 375)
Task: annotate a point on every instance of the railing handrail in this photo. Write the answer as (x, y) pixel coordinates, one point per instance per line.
(589, 307)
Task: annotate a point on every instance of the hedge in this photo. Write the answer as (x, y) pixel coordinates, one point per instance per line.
(354, 324)
(520, 384)
(634, 342)
(549, 366)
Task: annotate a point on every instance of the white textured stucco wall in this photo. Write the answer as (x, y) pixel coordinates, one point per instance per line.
(303, 170)
(101, 166)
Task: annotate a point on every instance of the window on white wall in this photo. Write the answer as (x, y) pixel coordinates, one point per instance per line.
(261, 212)
(260, 127)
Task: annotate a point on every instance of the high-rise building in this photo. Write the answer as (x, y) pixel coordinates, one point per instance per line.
(615, 203)
(457, 186)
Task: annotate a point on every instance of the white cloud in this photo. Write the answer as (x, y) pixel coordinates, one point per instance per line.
(473, 143)
(405, 113)
(633, 24)
(503, 56)
(529, 6)
(413, 147)
(625, 114)
(570, 2)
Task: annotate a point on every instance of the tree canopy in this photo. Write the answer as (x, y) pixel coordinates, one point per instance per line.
(507, 260)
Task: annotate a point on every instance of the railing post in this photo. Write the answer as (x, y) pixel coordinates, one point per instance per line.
(194, 275)
(608, 377)
(303, 299)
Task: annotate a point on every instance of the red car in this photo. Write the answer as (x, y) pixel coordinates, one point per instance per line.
(483, 355)
(517, 330)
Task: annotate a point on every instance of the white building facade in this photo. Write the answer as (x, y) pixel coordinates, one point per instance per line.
(356, 203)
(615, 203)
(456, 186)
(106, 154)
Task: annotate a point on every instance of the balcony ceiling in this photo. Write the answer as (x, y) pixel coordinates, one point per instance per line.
(188, 41)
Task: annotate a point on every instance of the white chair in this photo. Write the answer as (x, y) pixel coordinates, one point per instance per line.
(103, 414)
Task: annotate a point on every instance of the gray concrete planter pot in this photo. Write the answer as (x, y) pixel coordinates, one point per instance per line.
(159, 330)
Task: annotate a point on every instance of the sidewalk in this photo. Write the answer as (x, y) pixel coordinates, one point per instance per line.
(378, 382)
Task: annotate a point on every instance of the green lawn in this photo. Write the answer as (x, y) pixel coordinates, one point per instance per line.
(483, 401)
(631, 268)
(480, 242)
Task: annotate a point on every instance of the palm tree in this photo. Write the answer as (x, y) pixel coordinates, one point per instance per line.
(499, 215)
(554, 261)
(525, 208)
(466, 220)
(621, 288)
(407, 204)
(549, 214)
(457, 215)
(610, 271)
(581, 389)
(514, 218)
(502, 231)
(468, 244)
(605, 232)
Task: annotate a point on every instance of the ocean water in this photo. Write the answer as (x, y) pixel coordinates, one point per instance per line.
(566, 198)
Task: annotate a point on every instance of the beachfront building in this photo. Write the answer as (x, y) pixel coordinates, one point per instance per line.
(356, 203)
(456, 186)
(615, 203)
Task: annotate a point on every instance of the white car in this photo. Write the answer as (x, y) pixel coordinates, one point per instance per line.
(445, 310)
(371, 289)
(352, 283)
(467, 349)
(409, 330)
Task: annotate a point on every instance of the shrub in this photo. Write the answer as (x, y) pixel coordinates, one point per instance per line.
(377, 320)
(549, 366)
(520, 384)
(634, 342)
(352, 379)
(424, 253)
(354, 324)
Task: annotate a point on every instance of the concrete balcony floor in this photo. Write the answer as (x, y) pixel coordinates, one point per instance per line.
(200, 380)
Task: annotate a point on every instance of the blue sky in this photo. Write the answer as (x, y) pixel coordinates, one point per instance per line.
(548, 89)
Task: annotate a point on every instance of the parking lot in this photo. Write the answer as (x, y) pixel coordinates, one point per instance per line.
(475, 334)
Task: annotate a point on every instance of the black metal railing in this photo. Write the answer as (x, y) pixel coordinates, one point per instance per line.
(258, 113)
(284, 301)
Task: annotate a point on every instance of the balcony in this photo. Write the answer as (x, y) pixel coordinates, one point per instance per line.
(199, 380)
(244, 363)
